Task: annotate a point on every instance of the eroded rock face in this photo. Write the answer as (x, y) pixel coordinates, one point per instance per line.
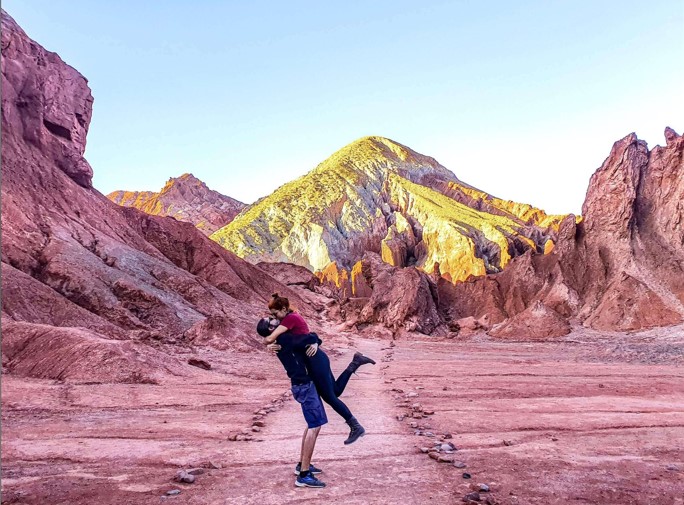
(71, 257)
(185, 198)
(45, 103)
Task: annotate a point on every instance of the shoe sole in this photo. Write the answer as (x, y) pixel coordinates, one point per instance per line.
(303, 484)
(312, 473)
(349, 443)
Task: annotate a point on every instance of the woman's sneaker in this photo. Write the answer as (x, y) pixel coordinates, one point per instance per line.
(308, 481)
(312, 469)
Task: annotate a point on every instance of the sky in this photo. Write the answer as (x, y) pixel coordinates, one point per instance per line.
(522, 99)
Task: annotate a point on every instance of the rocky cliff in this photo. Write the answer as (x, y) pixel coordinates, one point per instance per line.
(185, 198)
(621, 268)
(72, 258)
(376, 195)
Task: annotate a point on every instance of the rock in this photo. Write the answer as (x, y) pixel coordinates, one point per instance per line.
(183, 476)
(474, 496)
(466, 476)
(173, 492)
(507, 442)
(199, 363)
(483, 488)
(212, 464)
(195, 471)
(446, 458)
(434, 455)
(400, 417)
(259, 423)
(412, 395)
(428, 412)
(448, 435)
(672, 468)
(459, 464)
(414, 424)
(256, 429)
(447, 447)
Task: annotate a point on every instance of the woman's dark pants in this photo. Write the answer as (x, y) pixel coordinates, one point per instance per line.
(326, 385)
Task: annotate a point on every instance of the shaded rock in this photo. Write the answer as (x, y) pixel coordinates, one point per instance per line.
(200, 363)
(537, 321)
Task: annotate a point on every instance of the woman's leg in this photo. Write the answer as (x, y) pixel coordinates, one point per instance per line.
(341, 381)
(358, 360)
(319, 369)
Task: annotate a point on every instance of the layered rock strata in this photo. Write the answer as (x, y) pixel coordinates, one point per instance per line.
(379, 196)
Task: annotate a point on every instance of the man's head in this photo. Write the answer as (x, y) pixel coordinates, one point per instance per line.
(266, 325)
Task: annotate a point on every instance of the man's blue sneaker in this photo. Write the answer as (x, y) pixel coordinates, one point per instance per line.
(312, 469)
(308, 481)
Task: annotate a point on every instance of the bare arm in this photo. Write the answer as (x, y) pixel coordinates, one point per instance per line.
(276, 333)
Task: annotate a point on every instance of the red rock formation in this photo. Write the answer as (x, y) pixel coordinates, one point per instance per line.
(185, 198)
(619, 269)
(336, 279)
(71, 257)
(402, 298)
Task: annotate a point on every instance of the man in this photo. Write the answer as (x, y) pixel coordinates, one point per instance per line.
(304, 391)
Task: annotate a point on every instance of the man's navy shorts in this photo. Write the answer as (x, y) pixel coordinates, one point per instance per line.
(313, 410)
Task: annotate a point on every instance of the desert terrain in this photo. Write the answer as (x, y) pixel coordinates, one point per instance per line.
(583, 419)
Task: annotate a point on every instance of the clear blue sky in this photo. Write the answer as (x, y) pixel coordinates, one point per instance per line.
(521, 99)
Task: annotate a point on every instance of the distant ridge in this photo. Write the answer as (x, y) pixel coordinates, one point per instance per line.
(185, 198)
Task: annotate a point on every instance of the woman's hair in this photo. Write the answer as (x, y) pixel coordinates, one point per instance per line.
(279, 303)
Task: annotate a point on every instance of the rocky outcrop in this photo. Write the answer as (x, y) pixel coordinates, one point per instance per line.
(620, 268)
(51, 104)
(72, 258)
(184, 198)
(379, 196)
(401, 298)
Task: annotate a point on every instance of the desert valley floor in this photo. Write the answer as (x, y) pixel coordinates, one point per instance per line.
(589, 418)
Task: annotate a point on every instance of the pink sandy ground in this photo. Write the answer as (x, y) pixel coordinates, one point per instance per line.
(587, 419)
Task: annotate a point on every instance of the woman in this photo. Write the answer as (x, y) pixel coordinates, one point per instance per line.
(293, 327)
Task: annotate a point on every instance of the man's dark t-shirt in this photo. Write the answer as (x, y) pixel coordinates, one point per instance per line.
(292, 355)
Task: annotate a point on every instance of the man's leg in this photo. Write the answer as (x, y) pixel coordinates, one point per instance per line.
(306, 430)
(308, 444)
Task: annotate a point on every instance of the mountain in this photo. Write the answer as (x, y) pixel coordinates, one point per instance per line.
(185, 198)
(90, 290)
(380, 196)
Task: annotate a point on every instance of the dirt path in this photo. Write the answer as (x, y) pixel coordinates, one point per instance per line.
(382, 467)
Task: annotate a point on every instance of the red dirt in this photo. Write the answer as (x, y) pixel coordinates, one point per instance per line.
(589, 418)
